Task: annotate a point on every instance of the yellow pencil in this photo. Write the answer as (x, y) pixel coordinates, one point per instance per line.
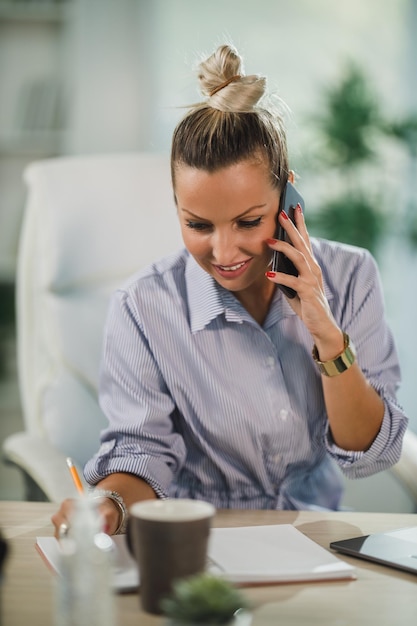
(75, 476)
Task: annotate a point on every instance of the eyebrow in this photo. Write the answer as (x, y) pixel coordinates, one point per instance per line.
(252, 208)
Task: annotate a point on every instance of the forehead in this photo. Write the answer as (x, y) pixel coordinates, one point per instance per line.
(247, 174)
(225, 193)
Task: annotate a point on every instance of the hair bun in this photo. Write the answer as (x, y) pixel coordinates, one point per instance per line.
(222, 80)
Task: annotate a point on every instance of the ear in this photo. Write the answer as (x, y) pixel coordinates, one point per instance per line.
(291, 176)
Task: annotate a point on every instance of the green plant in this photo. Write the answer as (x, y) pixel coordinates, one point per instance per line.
(351, 130)
(349, 120)
(203, 599)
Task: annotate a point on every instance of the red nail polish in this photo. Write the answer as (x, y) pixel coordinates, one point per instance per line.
(284, 215)
(271, 242)
(270, 274)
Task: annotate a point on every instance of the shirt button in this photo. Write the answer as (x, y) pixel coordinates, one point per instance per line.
(270, 361)
(283, 414)
(276, 458)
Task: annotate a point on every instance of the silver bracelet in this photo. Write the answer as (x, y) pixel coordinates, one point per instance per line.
(99, 494)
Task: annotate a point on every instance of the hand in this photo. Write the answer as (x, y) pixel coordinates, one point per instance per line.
(108, 511)
(310, 304)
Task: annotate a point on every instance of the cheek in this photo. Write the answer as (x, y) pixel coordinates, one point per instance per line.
(196, 245)
(257, 242)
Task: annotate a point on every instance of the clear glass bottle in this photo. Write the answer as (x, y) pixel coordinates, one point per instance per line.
(84, 595)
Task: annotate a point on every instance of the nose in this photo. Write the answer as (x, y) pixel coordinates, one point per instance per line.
(224, 246)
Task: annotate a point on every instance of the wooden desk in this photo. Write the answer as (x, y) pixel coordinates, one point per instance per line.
(380, 596)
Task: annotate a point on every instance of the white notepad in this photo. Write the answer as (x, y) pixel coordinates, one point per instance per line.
(272, 554)
(125, 574)
(243, 555)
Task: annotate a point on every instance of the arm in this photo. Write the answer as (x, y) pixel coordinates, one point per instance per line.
(355, 409)
(141, 450)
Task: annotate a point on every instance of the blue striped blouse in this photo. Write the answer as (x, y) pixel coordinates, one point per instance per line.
(205, 403)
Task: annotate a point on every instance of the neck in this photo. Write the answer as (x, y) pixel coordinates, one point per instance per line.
(257, 300)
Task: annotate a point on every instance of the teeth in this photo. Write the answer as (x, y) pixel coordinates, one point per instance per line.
(232, 268)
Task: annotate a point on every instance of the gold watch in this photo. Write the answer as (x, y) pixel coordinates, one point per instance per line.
(338, 365)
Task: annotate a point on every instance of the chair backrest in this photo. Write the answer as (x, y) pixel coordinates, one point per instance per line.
(89, 223)
(406, 469)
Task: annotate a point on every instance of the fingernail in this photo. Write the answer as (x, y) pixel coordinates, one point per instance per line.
(271, 242)
(270, 274)
(299, 208)
(284, 215)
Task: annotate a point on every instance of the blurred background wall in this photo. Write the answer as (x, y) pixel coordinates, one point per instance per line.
(91, 76)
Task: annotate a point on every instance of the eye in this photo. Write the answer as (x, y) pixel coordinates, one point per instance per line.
(199, 226)
(249, 223)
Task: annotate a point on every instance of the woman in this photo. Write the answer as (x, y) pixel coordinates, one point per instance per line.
(208, 378)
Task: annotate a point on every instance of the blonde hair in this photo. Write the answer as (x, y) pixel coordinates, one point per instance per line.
(223, 82)
(232, 124)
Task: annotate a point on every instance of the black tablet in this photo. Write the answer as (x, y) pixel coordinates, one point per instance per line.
(396, 548)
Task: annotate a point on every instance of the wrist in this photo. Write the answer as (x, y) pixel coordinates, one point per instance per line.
(330, 346)
(119, 504)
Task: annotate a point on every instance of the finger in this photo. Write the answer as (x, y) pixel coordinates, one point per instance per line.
(63, 530)
(62, 517)
(296, 232)
(287, 280)
(301, 225)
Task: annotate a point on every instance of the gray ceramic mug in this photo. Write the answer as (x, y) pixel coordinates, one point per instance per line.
(168, 539)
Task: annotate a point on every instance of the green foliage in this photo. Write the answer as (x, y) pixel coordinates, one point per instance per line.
(203, 599)
(350, 129)
(350, 118)
(350, 219)
(405, 131)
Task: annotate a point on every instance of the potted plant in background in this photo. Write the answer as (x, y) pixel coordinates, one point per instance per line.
(206, 599)
(351, 134)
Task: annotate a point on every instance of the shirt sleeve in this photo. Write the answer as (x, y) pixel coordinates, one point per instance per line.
(360, 313)
(141, 438)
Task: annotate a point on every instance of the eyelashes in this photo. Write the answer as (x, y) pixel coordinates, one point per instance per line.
(203, 227)
(199, 226)
(250, 223)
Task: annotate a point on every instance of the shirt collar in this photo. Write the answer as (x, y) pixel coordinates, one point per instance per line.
(203, 299)
(207, 299)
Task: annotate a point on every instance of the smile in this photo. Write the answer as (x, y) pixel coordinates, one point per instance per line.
(231, 272)
(231, 268)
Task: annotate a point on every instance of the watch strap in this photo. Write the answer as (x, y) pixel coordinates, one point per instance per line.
(338, 365)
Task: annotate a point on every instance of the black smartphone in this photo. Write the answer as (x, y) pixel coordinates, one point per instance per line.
(280, 263)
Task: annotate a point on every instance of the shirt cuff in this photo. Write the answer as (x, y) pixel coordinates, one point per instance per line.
(342, 456)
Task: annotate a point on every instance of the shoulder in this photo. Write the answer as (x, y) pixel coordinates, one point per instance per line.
(162, 270)
(341, 259)
(349, 272)
(329, 252)
(159, 284)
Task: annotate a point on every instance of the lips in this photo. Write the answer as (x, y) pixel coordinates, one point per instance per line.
(232, 271)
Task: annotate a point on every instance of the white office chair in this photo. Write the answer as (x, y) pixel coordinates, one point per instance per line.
(89, 223)
(406, 469)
